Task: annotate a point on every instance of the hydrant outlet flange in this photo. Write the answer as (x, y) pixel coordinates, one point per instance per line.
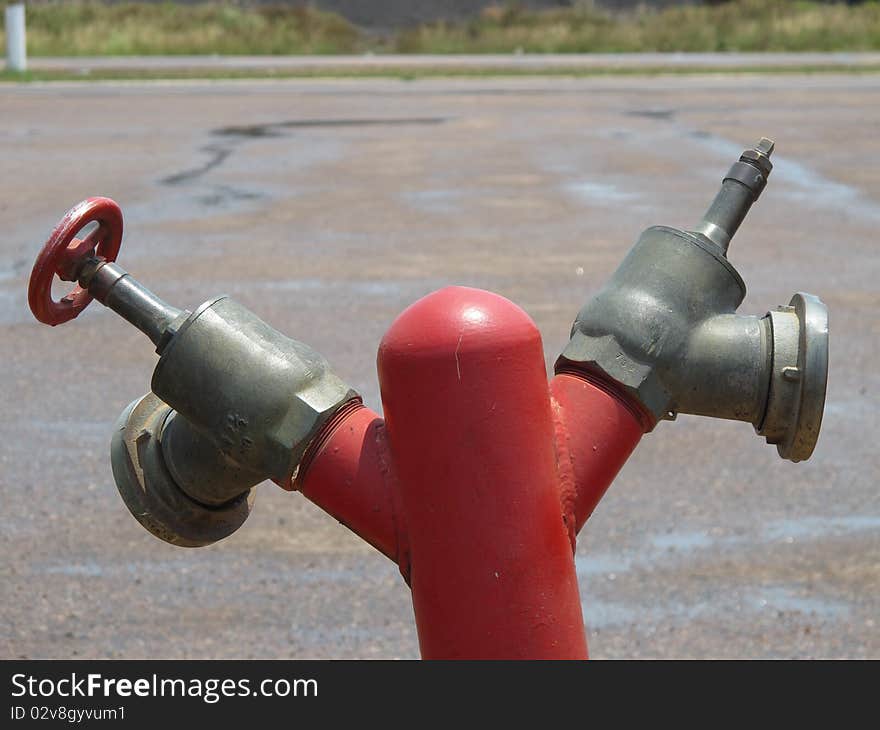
(149, 490)
(798, 378)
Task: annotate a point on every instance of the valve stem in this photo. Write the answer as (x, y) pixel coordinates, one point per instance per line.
(740, 188)
(116, 289)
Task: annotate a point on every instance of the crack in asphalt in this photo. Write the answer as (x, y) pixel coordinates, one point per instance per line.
(219, 152)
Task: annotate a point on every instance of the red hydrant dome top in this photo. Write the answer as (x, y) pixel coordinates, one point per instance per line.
(442, 321)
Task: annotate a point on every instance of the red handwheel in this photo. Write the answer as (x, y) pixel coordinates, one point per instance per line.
(63, 253)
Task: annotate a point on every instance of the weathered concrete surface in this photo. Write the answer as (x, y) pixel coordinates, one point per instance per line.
(707, 545)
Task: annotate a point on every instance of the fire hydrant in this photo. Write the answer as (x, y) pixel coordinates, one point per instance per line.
(480, 476)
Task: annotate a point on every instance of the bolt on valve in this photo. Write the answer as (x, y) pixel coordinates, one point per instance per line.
(665, 331)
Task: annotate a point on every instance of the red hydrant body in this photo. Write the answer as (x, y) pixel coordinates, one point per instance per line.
(474, 484)
(467, 407)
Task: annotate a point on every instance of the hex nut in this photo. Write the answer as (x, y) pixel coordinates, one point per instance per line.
(605, 356)
(759, 160)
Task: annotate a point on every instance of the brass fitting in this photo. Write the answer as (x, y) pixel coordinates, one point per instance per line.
(665, 331)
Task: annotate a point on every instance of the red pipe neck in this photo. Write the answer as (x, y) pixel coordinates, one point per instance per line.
(481, 477)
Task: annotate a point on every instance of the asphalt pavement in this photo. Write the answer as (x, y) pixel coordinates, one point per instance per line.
(329, 206)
